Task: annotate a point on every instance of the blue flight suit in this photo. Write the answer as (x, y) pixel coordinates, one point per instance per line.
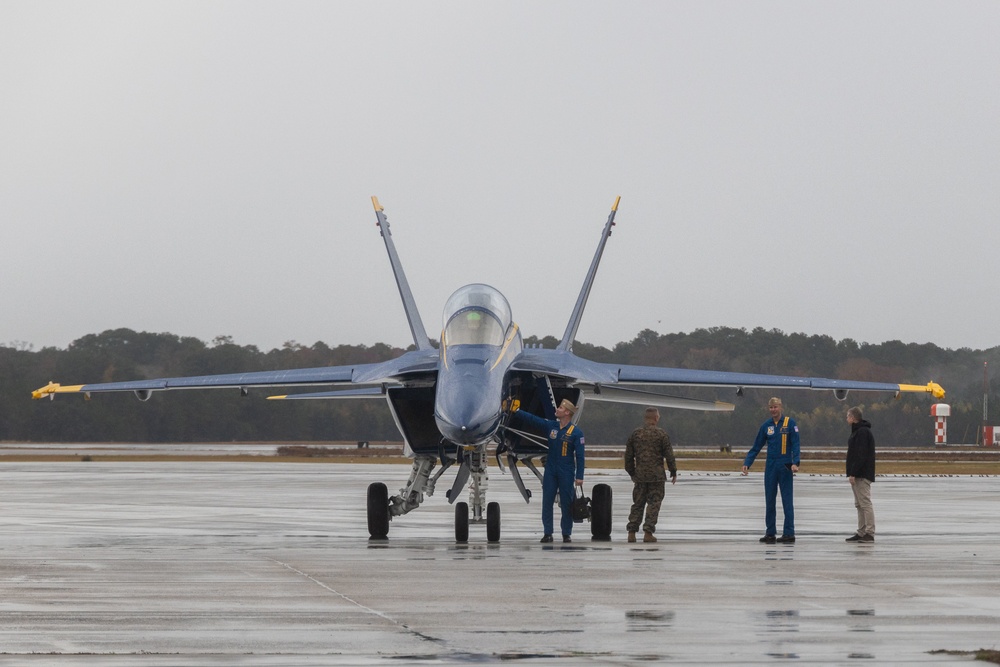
(563, 465)
(782, 438)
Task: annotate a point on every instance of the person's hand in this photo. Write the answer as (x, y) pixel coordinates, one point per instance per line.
(579, 482)
(673, 478)
(746, 471)
(850, 479)
(795, 468)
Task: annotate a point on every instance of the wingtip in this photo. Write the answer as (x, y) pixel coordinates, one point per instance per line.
(617, 199)
(378, 207)
(48, 391)
(53, 388)
(42, 392)
(932, 388)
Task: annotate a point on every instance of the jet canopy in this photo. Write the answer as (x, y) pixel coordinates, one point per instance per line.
(476, 314)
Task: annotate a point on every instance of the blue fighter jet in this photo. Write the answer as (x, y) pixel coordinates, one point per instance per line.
(453, 401)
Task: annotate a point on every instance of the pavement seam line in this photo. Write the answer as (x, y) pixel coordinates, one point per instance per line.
(369, 610)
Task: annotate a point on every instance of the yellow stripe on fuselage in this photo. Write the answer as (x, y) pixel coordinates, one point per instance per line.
(444, 350)
(506, 344)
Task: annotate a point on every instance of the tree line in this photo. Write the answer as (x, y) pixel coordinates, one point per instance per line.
(223, 416)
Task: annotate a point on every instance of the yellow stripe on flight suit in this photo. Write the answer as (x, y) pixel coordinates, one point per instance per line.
(566, 438)
(784, 435)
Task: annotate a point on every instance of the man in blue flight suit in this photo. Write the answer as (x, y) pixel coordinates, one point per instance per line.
(782, 438)
(563, 464)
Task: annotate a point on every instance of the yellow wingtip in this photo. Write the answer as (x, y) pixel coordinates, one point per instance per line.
(932, 388)
(42, 392)
(277, 398)
(617, 199)
(378, 207)
(53, 388)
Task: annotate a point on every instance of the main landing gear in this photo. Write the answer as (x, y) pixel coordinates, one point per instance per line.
(378, 515)
(600, 513)
(378, 511)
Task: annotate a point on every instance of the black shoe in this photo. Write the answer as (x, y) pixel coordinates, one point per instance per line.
(787, 539)
(547, 538)
(854, 538)
(768, 539)
(566, 538)
(867, 538)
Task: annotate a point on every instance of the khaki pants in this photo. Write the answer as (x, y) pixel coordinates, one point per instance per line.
(862, 489)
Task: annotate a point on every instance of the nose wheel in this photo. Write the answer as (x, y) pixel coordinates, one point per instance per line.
(462, 522)
(493, 522)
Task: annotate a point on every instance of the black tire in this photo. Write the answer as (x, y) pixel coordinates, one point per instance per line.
(493, 522)
(378, 511)
(462, 522)
(600, 518)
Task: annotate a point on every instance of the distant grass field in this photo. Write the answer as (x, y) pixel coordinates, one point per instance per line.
(891, 461)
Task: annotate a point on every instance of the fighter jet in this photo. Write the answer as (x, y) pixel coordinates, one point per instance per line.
(452, 402)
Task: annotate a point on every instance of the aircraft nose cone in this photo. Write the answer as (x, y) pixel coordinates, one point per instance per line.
(467, 400)
(467, 431)
(467, 421)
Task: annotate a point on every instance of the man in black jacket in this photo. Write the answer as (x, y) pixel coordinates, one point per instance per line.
(861, 473)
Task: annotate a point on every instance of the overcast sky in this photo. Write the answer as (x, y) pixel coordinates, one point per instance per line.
(206, 168)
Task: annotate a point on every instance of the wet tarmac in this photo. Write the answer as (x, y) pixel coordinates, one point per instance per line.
(202, 563)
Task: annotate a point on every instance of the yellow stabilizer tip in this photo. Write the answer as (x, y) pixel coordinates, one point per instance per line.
(932, 388)
(617, 199)
(277, 398)
(378, 207)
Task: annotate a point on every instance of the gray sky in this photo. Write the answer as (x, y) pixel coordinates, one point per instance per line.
(206, 168)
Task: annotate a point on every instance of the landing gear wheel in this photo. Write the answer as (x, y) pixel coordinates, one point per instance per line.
(462, 522)
(493, 522)
(600, 518)
(378, 511)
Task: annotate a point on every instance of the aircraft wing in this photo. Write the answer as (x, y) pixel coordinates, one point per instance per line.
(361, 392)
(638, 384)
(416, 362)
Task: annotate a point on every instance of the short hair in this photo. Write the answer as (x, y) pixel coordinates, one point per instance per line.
(774, 401)
(855, 412)
(652, 414)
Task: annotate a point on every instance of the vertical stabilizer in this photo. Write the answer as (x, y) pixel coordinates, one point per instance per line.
(409, 305)
(581, 301)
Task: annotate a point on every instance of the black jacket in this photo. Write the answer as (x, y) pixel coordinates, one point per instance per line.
(861, 451)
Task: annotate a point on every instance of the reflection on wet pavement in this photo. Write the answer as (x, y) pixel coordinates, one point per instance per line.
(646, 621)
(270, 564)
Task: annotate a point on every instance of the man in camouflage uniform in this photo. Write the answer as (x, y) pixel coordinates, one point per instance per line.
(645, 452)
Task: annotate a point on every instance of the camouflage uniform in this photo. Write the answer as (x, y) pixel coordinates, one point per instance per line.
(646, 450)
